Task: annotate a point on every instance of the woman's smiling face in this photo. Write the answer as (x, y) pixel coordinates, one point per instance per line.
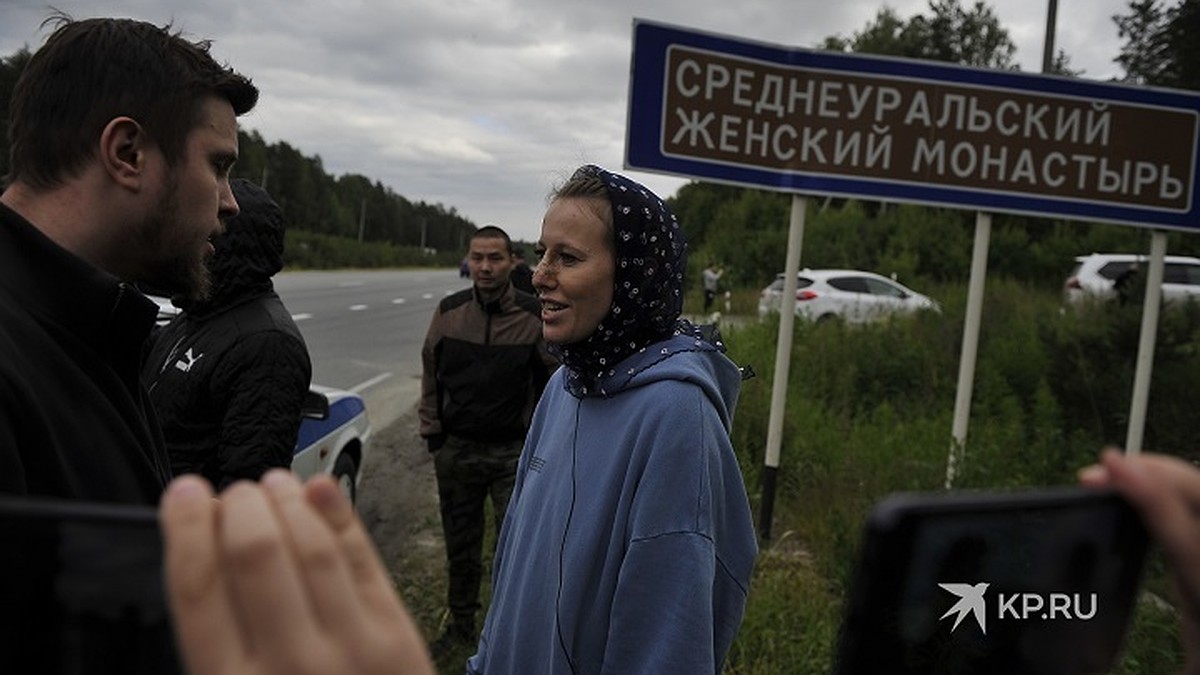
(576, 273)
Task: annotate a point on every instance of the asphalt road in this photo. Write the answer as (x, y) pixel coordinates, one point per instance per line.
(364, 329)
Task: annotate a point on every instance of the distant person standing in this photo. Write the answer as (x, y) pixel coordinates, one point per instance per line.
(485, 365)
(522, 273)
(229, 374)
(712, 279)
(1125, 283)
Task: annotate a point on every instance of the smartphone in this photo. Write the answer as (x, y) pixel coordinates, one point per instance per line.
(82, 589)
(1025, 582)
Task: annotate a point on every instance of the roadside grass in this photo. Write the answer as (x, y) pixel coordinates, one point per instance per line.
(743, 302)
(869, 413)
(420, 578)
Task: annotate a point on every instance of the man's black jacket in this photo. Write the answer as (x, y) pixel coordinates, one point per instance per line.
(74, 420)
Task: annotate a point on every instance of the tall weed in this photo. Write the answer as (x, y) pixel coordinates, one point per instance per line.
(869, 412)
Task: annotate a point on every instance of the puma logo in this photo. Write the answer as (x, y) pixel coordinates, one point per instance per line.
(191, 361)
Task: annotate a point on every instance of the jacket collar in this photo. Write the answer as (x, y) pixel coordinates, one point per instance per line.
(506, 299)
(57, 286)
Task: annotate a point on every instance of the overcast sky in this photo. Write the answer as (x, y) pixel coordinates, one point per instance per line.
(483, 105)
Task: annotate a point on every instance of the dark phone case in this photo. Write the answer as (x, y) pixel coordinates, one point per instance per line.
(82, 589)
(1080, 552)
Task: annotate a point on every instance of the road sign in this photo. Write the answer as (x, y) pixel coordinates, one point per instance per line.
(739, 111)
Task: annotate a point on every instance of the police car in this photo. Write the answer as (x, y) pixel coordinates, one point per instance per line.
(334, 437)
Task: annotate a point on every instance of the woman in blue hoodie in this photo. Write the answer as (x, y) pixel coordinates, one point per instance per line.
(628, 544)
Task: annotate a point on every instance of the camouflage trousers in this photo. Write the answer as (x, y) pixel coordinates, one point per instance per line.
(468, 472)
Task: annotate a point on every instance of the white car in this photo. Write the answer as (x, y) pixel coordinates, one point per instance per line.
(1095, 276)
(852, 296)
(334, 437)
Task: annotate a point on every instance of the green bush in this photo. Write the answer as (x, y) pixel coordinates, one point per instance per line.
(869, 413)
(310, 250)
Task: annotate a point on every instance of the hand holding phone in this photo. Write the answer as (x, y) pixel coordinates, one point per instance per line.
(1165, 490)
(1039, 581)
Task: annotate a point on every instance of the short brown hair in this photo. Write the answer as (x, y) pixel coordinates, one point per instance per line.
(91, 71)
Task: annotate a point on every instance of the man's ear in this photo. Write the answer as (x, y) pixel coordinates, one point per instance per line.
(123, 146)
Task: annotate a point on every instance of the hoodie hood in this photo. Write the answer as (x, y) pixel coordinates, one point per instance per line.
(248, 253)
(685, 356)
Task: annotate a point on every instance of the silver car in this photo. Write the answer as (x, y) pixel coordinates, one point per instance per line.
(853, 296)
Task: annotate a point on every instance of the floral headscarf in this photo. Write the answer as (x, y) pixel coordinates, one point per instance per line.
(651, 257)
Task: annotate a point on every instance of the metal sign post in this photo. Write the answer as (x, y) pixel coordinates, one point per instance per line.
(783, 361)
(1149, 336)
(970, 346)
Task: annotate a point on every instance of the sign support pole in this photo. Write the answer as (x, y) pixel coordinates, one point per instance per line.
(1145, 360)
(970, 345)
(783, 361)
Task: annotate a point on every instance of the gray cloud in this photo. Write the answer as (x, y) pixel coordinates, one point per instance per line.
(482, 105)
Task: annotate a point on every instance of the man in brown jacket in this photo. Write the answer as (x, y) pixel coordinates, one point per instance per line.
(485, 365)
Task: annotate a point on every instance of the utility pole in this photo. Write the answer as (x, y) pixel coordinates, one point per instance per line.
(1048, 52)
(362, 219)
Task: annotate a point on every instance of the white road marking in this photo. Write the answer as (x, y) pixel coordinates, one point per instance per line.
(301, 317)
(359, 388)
(398, 301)
(357, 308)
(427, 296)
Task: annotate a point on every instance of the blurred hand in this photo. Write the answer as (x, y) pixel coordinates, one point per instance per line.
(280, 578)
(1166, 491)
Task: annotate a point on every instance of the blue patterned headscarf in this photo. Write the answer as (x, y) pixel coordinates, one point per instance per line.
(651, 257)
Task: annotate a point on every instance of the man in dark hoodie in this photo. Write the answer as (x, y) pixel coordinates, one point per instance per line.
(229, 374)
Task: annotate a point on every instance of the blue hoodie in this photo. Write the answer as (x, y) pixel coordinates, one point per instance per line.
(628, 544)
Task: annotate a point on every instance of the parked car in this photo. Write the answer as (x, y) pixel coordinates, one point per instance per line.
(334, 428)
(334, 437)
(1095, 276)
(852, 296)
